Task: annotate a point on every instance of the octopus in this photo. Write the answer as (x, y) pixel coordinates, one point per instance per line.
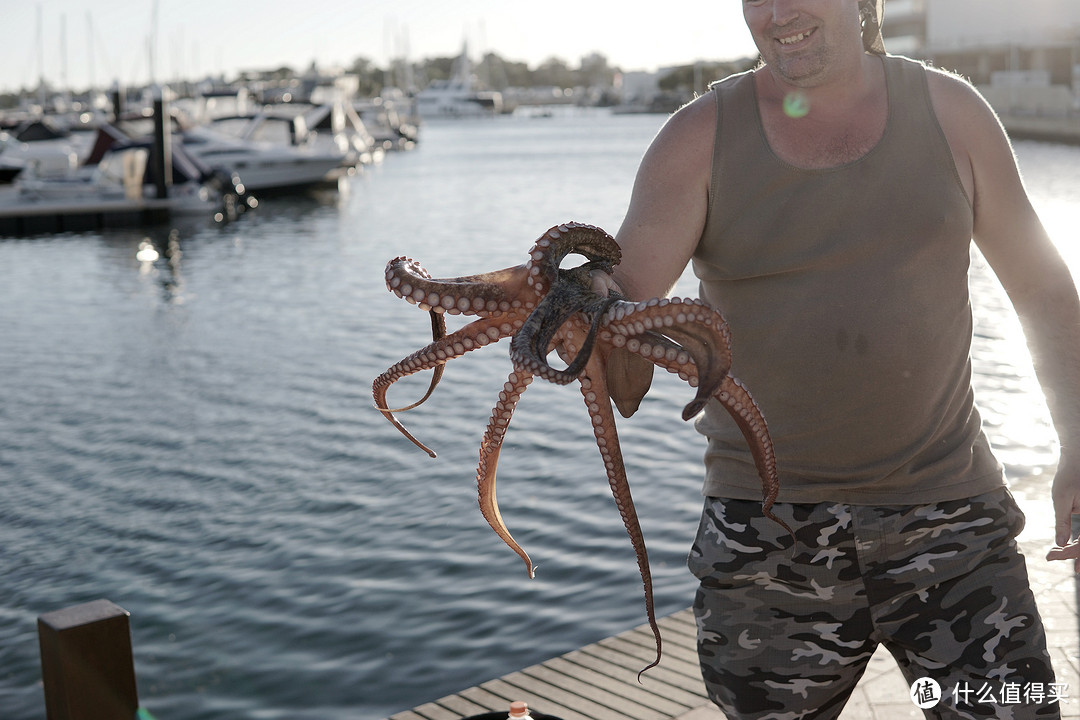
(608, 344)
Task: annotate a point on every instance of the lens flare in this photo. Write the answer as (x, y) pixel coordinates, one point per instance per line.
(796, 105)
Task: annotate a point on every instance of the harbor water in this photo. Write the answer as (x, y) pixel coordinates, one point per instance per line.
(192, 436)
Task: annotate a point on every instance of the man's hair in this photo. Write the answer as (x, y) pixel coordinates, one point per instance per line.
(872, 12)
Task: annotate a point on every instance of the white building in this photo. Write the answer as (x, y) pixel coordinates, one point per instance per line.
(1023, 54)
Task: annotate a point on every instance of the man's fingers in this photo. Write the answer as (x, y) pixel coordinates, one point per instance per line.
(1069, 551)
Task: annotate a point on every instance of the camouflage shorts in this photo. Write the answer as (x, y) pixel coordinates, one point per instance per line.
(787, 632)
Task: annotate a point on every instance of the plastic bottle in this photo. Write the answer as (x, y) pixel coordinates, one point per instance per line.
(519, 711)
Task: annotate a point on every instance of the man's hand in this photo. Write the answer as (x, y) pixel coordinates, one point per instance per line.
(1066, 496)
(603, 284)
(629, 376)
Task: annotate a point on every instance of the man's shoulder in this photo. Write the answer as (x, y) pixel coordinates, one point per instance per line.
(693, 120)
(956, 99)
(938, 78)
(949, 85)
(733, 79)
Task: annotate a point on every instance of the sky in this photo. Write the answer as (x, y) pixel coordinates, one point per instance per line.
(85, 42)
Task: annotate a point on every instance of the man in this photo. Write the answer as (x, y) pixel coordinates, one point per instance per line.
(828, 200)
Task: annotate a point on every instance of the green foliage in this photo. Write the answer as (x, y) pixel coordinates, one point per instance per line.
(698, 76)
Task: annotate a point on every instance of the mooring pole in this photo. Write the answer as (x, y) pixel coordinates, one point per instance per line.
(116, 95)
(161, 154)
(86, 663)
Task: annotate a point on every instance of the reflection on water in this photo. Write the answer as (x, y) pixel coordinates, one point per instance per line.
(1052, 176)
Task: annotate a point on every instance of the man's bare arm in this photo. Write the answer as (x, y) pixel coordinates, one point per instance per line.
(1015, 243)
(669, 204)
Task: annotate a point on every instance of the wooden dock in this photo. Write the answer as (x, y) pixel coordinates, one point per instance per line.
(599, 681)
(21, 217)
(596, 682)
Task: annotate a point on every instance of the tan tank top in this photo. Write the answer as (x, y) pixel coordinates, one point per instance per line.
(846, 291)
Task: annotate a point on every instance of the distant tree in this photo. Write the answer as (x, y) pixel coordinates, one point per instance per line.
(696, 77)
(499, 74)
(432, 69)
(554, 72)
(595, 71)
(371, 78)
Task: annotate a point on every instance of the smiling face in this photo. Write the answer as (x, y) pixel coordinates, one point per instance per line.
(804, 41)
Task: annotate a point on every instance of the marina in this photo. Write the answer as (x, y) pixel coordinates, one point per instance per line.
(180, 156)
(190, 434)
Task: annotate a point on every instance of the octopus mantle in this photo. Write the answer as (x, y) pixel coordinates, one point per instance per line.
(608, 344)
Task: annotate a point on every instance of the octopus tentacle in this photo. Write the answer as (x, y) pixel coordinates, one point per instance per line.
(489, 460)
(499, 291)
(553, 246)
(663, 330)
(594, 390)
(734, 396)
(438, 332)
(657, 323)
(476, 334)
(651, 329)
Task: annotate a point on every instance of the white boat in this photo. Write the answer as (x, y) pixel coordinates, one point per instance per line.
(391, 128)
(326, 127)
(340, 125)
(458, 96)
(262, 164)
(43, 146)
(117, 189)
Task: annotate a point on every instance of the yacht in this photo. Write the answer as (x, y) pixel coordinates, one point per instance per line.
(116, 185)
(262, 164)
(458, 96)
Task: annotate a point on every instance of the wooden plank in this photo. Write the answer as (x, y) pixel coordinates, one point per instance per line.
(540, 694)
(487, 700)
(681, 623)
(434, 711)
(630, 656)
(660, 680)
(615, 661)
(682, 662)
(496, 701)
(461, 706)
(544, 702)
(618, 701)
(407, 715)
(645, 640)
(625, 685)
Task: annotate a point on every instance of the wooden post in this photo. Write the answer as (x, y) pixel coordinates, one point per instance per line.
(161, 150)
(86, 663)
(116, 95)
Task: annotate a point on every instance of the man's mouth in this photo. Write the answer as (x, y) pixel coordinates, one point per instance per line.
(797, 38)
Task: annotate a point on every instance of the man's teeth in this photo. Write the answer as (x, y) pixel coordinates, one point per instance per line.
(795, 38)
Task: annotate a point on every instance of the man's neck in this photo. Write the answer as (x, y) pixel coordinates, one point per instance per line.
(828, 125)
(837, 90)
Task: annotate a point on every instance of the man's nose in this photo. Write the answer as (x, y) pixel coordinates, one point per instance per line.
(785, 11)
